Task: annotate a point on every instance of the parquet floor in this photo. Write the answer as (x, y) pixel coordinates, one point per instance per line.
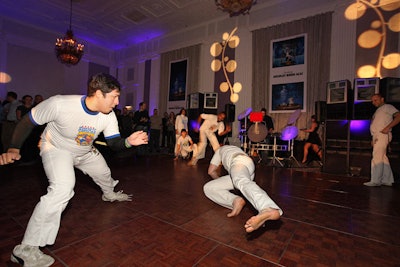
(328, 220)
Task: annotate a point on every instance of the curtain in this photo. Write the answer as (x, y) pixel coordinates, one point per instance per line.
(318, 30)
(192, 53)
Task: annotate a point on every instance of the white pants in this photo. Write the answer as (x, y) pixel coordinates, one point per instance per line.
(59, 165)
(185, 150)
(381, 171)
(201, 146)
(241, 177)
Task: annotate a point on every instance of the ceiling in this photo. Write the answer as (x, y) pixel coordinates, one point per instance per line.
(113, 24)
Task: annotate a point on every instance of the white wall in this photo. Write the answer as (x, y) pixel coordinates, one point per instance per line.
(71, 80)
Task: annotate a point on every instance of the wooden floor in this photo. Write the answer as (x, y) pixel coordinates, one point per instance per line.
(328, 220)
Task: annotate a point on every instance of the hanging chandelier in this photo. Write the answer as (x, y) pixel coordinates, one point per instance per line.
(68, 50)
(235, 7)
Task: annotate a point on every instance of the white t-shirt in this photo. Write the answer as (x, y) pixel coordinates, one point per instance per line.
(181, 122)
(382, 117)
(211, 123)
(184, 142)
(71, 125)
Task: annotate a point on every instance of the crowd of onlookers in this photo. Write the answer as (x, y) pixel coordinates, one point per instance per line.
(162, 129)
(12, 109)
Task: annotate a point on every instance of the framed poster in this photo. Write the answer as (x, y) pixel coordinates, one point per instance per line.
(288, 52)
(288, 74)
(177, 80)
(287, 96)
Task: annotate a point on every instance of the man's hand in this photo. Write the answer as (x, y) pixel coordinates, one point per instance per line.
(385, 130)
(138, 138)
(10, 156)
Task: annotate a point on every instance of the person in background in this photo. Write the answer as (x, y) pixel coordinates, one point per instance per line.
(181, 122)
(73, 123)
(141, 121)
(184, 145)
(240, 168)
(25, 107)
(211, 124)
(141, 118)
(171, 138)
(164, 130)
(126, 123)
(313, 141)
(384, 119)
(29, 150)
(155, 131)
(38, 99)
(10, 113)
(267, 120)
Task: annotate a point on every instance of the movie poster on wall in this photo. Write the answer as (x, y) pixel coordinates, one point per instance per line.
(177, 85)
(288, 74)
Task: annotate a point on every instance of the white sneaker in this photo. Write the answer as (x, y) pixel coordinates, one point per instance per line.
(116, 196)
(371, 184)
(30, 256)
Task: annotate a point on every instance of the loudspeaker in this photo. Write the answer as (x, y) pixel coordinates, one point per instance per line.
(196, 101)
(320, 110)
(340, 100)
(230, 112)
(364, 89)
(210, 100)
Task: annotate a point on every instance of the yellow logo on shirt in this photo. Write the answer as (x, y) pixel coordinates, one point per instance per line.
(85, 136)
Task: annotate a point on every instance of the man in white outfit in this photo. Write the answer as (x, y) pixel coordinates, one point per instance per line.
(384, 119)
(240, 169)
(211, 124)
(73, 123)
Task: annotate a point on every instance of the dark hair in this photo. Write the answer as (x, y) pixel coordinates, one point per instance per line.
(103, 82)
(183, 130)
(12, 94)
(264, 109)
(314, 117)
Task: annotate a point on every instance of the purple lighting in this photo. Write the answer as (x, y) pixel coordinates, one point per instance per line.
(195, 125)
(359, 129)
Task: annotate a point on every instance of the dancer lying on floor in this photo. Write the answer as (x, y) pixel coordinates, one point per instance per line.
(240, 169)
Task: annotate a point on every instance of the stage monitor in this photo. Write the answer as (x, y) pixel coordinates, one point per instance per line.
(337, 92)
(390, 89)
(211, 100)
(364, 89)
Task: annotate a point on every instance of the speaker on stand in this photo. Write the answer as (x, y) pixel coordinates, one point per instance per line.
(230, 112)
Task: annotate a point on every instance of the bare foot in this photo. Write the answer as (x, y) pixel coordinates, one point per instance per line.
(257, 221)
(238, 205)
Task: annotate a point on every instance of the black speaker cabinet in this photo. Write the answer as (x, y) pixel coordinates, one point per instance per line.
(390, 89)
(340, 100)
(230, 112)
(364, 89)
(195, 101)
(320, 110)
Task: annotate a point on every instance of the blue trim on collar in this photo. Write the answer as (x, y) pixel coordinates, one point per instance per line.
(85, 108)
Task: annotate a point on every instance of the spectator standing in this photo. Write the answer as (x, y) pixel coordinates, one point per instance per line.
(155, 131)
